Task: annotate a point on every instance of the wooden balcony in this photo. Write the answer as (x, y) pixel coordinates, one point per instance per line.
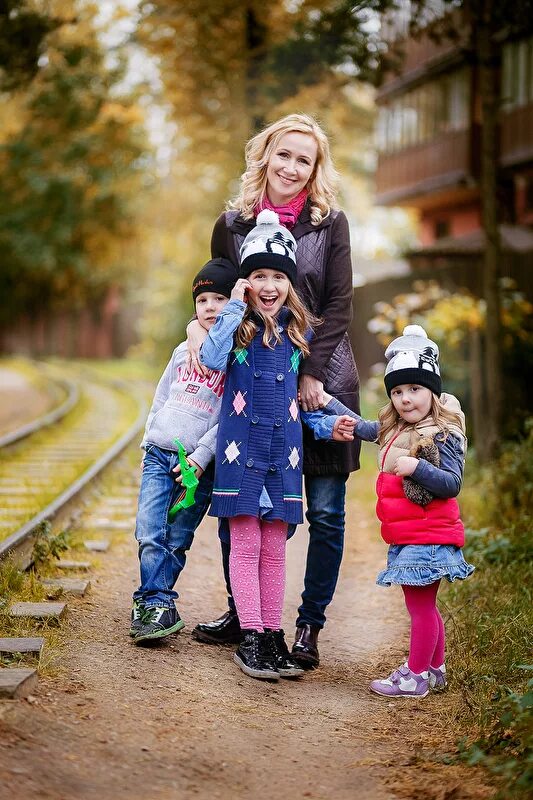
(418, 175)
(517, 136)
(423, 56)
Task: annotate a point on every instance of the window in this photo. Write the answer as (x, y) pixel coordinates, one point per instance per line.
(517, 74)
(425, 112)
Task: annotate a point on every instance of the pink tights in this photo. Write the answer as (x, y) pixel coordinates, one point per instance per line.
(257, 570)
(427, 627)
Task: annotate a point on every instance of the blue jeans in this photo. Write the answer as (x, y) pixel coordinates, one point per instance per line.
(163, 546)
(326, 496)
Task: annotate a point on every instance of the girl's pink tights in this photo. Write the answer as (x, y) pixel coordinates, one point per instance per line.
(257, 571)
(427, 627)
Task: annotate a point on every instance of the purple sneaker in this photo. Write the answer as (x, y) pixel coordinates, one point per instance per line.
(402, 683)
(437, 678)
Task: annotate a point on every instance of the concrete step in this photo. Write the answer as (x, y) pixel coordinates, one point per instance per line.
(83, 566)
(96, 546)
(41, 611)
(118, 502)
(68, 585)
(17, 682)
(103, 523)
(15, 644)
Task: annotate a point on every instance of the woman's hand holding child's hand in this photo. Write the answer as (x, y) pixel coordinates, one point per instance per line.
(405, 465)
(312, 393)
(239, 290)
(177, 469)
(343, 429)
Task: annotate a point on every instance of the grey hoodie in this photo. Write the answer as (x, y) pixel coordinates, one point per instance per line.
(186, 406)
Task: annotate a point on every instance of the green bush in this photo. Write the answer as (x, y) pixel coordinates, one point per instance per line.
(491, 637)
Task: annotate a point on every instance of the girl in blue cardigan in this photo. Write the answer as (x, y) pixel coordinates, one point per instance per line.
(259, 338)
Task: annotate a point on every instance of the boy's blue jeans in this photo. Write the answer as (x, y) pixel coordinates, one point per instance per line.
(163, 547)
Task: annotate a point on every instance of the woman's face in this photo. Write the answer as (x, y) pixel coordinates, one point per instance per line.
(290, 166)
(268, 290)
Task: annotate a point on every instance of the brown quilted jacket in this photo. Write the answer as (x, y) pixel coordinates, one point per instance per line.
(323, 260)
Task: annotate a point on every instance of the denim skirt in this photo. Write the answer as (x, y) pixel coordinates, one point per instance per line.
(421, 564)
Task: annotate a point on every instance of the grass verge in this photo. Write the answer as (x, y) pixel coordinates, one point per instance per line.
(489, 625)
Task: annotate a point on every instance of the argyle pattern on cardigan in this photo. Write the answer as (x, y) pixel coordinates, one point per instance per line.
(259, 441)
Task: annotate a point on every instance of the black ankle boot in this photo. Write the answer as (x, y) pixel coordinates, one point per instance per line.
(305, 647)
(254, 656)
(224, 630)
(285, 664)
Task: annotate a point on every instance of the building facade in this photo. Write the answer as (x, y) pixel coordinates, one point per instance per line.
(428, 141)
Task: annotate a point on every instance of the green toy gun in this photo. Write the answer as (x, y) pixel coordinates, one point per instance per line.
(189, 481)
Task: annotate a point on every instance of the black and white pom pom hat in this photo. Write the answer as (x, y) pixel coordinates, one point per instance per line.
(413, 358)
(269, 245)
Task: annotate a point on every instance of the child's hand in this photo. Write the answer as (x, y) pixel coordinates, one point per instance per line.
(343, 429)
(196, 336)
(239, 290)
(177, 469)
(405, 465)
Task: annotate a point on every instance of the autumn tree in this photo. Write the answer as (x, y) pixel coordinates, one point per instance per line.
(71, 166)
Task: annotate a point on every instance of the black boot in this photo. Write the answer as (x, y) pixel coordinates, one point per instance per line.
(224, 630)
(305, 647)
(254, 656)
(285, 665)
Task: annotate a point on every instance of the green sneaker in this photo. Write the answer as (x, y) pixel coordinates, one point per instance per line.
(137, 612)
(158, 622)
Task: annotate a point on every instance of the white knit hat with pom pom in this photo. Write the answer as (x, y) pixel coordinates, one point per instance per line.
(413, 358)
(269, 246)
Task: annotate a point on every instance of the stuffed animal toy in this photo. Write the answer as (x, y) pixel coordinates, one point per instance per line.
(427, 449)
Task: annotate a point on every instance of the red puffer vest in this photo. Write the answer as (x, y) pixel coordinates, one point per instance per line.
(405, 522)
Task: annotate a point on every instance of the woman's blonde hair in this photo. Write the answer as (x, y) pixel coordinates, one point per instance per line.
(441, 416)
(300, 323)
(258, 151)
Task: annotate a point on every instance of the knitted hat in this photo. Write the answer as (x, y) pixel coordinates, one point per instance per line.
(269, 245)
(218, 275)
(413, 358)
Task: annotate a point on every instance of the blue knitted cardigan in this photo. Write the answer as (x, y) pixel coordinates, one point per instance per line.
(259, 442)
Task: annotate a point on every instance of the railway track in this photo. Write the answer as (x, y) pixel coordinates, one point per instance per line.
(45, 466)
(55, 415)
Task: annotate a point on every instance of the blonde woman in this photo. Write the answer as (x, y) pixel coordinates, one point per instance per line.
(289, 170)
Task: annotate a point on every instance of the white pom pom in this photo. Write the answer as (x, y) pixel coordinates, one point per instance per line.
(413, 330)
(267, 217)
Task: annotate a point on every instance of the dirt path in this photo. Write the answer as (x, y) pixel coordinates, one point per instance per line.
(181, 721)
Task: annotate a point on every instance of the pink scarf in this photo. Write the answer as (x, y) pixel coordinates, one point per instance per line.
(289, 213)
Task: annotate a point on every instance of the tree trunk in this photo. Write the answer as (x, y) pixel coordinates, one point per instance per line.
(255, 47)
(489, 60)
(477, 406)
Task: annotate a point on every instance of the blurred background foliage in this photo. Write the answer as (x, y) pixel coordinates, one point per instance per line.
(73, 153)
(122, 128)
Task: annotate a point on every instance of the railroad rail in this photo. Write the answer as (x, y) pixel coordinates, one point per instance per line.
(44, 472)
(55, 415)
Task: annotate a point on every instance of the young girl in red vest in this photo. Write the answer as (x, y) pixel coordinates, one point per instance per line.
(421, 436)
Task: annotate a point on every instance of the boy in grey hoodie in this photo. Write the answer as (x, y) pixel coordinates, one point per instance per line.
(186, 407)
